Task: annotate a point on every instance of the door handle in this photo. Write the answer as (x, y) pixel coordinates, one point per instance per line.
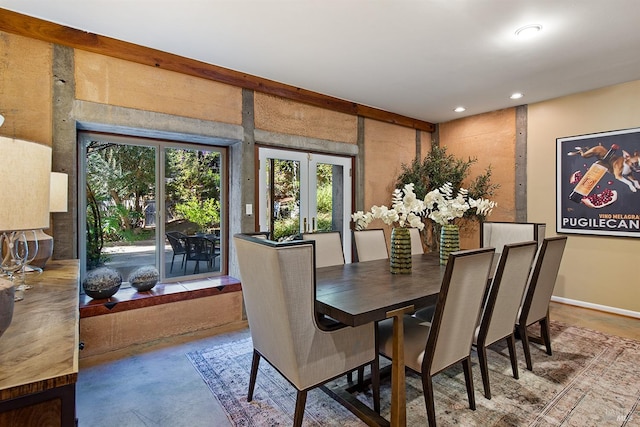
(313, 225)
(304, 225)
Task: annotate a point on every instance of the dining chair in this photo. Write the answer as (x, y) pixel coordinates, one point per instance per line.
(370, 244)
(430, 348)
(496, 234)
(199, 248)
(328, 247)
(178, 242)
(278, 286)
(416, 242)
(535, 306)
(502, 304)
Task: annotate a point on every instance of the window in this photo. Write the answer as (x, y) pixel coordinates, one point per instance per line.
(152, 202)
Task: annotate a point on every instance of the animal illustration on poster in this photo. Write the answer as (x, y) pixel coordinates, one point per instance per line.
(598, 183)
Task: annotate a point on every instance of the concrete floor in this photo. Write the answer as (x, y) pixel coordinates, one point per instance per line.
(156, 385)
(149, 385)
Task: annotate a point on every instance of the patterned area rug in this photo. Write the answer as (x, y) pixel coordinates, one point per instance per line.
(592, 379)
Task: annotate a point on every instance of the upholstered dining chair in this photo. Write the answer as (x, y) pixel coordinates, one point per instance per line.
(502, 305)
(278, 286)
(416, 242)
(370, 244)
(430, 348)
(328, 248)
(259, 234)
(496, 234)
(535, 306)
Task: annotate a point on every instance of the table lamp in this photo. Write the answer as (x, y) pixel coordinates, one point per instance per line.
(25, 170)
(57, 203)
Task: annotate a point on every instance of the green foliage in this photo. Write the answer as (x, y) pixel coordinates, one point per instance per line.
(192, 174)
(438, 168)
(324, 196)
(121, 180)
(94, 237)
(286, 227)
(121, 223)
(206, 214)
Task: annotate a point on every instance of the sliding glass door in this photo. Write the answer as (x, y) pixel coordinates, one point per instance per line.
(151, 203)
(304, 192)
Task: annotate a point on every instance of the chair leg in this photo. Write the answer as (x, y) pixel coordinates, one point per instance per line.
(511, 342)
(301, 401)
(468, 379)
(172, 258)
(254, 373)
(427, 389)
(545, 333)
(375, 383)
(484, 370)
(525, 346)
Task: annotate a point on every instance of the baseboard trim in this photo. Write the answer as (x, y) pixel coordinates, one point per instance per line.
(599, 307)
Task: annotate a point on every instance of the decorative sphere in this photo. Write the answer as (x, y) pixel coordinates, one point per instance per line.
(102, 282)
(144, 278)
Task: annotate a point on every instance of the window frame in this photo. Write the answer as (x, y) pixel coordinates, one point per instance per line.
(160, 145)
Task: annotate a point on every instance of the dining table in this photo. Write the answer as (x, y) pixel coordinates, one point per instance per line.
(366, 292)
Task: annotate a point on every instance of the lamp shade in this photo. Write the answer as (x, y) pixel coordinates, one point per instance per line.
(58, 195)
(25, 174)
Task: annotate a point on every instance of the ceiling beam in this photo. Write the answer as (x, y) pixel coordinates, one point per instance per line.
(16, 23)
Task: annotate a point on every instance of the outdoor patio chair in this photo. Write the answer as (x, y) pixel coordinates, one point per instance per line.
(178, 242)
(199, 248)
(278, 286)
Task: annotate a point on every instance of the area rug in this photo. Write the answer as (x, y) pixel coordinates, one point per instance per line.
(592, 379)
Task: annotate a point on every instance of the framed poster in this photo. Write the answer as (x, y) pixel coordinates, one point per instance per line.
(598, 184)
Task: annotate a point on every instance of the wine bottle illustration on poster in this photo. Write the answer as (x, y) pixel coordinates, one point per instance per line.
(598, 183)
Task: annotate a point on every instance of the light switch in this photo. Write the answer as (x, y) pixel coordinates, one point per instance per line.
(248, 209)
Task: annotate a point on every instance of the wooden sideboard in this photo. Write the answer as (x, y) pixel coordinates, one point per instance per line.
(39, 351)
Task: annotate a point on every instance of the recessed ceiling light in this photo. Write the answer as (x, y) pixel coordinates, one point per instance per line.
(459, 109)
(516, 95)
(528, 31)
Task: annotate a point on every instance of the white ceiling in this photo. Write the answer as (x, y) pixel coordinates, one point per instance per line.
(418, 58)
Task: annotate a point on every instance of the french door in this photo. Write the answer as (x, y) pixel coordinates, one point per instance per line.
(304, 193)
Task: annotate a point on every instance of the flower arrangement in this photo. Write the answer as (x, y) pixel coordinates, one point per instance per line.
(406, 211)
(442, 206)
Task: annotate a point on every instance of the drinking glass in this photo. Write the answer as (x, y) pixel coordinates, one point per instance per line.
(32, 251)
(14, 250)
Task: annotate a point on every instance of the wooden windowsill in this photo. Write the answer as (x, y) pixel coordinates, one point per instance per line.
(129, 299)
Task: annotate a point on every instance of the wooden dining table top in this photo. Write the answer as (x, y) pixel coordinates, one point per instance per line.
(362, 292)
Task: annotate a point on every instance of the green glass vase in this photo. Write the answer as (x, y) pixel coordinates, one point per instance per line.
(400, 251)
(449, 241)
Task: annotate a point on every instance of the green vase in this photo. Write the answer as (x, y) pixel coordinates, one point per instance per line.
(400, 251)
(449, 241)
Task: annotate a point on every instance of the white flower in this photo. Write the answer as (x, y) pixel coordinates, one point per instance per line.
(406, 210)
(443, 207)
